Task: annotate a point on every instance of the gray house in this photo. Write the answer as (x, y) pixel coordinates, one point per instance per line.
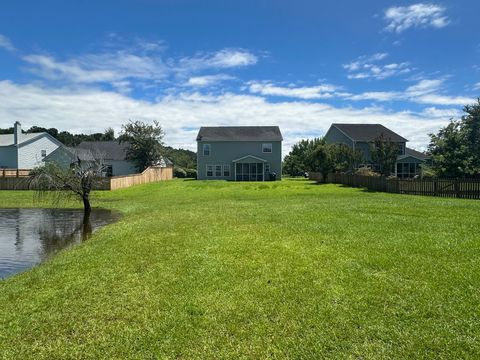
(25, 151)
(362, 136)
(239, 153)
(112, 153)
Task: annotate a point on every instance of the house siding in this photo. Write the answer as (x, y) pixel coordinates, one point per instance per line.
(121, 167)
(335, 136)
(224, 152)
(8, 157)
(30, 153)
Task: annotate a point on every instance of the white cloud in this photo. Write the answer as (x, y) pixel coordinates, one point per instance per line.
(421, 15)
(476, 86)
(208, 80)
(426, 91)
(114, 68)
(5, 43)
(308, 92)
(367, 67)
(182, 114)
(226, 58)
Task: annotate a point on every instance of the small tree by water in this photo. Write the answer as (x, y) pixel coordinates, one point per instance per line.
(77, 181)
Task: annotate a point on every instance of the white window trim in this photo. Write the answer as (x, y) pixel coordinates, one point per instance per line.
(265, 167)
(209, 149)
(212, 170)
(263, 148)
(226, 166)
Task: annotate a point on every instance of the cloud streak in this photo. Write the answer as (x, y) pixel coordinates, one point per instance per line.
(6, 44)
(421, 15)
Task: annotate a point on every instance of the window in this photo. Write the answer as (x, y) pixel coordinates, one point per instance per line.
(267, 148)
(108, 170)
(408, 170)
(218, 170)
(401, 150)
(226, 170)
(206, 149)
(44, 153)
(267, 167)
(209, 170)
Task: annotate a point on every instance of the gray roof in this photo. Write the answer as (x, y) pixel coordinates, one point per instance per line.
(109, 150)
(368, 132)
(239, 133)
(7, 139)
(415, 153)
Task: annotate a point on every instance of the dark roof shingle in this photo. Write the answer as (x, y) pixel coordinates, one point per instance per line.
(368, 132)
(109, 150)
(239, 133)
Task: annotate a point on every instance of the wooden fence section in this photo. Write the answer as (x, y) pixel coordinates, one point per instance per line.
(458, 188)
(14, 173)
(151, 174)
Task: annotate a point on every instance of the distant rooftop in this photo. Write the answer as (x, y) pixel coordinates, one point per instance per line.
(239, 133)
(109, 150)
(368, 132)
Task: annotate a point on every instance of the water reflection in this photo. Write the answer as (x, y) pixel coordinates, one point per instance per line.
(29, 236)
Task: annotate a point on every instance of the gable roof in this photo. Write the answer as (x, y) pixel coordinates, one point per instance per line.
(8, 139)
(416, 154)
(109, 150)
(368, 132)
(239, 133)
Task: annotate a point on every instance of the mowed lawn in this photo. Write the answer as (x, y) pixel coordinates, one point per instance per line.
(290, 269)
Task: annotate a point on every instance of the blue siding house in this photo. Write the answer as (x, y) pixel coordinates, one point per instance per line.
(25, 151)
(362, 136)
(239, 153)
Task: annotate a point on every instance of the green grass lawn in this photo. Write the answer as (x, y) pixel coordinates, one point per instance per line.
(203, 270)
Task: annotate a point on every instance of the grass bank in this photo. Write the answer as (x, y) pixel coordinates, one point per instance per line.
(201, 270)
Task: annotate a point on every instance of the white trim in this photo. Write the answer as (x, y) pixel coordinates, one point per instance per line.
(206, 173)
(271, 148)
(209, 149)
(249, 156)
(223, 170)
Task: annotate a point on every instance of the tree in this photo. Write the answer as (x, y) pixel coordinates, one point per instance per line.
(455, 149)
(384, 153)
(321, 159)
(345, 158)
(77, 181)
(296, 162)
(146, 147)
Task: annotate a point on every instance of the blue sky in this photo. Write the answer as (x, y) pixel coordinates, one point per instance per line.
(84, 66)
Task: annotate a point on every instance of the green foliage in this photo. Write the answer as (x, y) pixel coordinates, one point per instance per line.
(277, 270)
(180, 157)
(299, 159)
(384, 153)
(179, 172)
(455, 149)
(146, 147)
(318, 156)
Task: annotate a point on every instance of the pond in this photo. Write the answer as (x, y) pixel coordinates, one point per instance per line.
(30, 236)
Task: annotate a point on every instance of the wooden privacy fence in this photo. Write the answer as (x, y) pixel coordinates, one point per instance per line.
(150, 174)
(443, 187)
(14, 173)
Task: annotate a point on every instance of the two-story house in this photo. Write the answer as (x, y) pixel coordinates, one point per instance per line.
(239, 153)
(362, 136)
(25, 151)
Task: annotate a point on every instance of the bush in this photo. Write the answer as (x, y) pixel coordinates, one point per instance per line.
(178, 172)
(191, 173)
(366, 171)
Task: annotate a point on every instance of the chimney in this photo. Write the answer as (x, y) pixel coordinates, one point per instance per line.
(17, 132)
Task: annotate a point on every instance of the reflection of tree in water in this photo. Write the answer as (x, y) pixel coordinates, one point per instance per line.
(62, 228)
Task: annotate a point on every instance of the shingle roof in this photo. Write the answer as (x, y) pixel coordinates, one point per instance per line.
(7, 139)
(368, 132)
(109, 150)
(239, 133)
(415, 153)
